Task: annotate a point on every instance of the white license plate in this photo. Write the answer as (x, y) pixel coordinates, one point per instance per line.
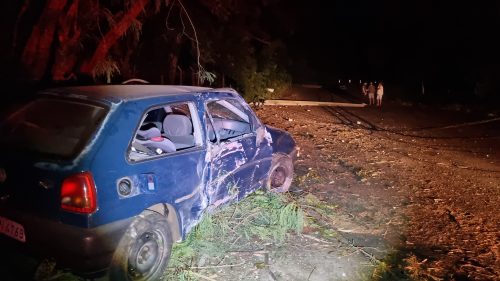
(12, 229)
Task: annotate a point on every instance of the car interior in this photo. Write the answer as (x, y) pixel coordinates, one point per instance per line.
(229, 120)
(164, 130)
(170, 128)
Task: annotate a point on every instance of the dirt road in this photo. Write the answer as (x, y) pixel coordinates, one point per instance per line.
(414, 188)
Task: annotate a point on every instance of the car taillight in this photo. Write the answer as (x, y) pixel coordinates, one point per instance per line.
(78, 193)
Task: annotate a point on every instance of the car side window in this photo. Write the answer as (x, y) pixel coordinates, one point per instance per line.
(230, 119)
(165, 129)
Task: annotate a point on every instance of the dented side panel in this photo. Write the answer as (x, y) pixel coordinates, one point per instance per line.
(240, 165)
(231, 170)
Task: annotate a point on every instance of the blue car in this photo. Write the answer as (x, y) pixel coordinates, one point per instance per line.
(106, 178)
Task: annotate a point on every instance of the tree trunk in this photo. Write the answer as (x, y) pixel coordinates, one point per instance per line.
(113, 35)
(172, 67)
(173, 59)
(69, 34)
(21, 13)
(125, 53)
(126, 68)
(37, 50)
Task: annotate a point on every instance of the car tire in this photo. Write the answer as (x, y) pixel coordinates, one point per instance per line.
(144, 250)
(281, 173)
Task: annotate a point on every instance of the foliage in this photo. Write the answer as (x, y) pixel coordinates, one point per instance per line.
(255, 83)
(47, 271)
(207, 76)
(135, 29)
(258, 219)
(418, 270)
(107, 68)
(320, 215)
(156, 40)
(255, 73)
(401, 265)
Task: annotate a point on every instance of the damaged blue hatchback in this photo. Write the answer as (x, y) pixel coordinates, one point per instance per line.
(108, 177)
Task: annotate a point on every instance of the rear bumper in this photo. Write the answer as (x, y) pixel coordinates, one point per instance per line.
(84, 251)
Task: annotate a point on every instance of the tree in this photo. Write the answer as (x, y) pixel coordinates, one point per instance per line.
(241, 50)
(36, 54)
(114, 33)
(79, 36)
(73, 39)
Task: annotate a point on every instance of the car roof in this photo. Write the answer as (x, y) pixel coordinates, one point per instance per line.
(128, 92)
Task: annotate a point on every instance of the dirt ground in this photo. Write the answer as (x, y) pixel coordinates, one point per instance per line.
(402, 192)
(408, 182)
(412, 193)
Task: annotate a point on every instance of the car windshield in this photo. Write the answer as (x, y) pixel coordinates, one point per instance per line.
(57, 128)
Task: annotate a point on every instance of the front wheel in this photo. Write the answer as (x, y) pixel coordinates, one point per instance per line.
(281, 174)
(144, 250)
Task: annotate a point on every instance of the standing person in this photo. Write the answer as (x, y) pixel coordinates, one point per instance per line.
(364, 89)
(380, 93)
(371, 93)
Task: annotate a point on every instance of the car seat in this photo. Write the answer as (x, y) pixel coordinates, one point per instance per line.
(152, 139)
(179, 129)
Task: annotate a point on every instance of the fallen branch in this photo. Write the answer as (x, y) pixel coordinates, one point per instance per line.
(316, 239)
(311, 273)
(201, 276)
(371, 257)
(217, 266)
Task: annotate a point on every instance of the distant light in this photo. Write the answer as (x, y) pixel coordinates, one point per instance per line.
(270, 90)
(349, 81)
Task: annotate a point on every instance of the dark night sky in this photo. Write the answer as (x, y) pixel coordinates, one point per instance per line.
(391, 39)
(397, 39)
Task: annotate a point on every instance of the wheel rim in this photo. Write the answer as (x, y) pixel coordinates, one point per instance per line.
(278, 177)
(146, 255)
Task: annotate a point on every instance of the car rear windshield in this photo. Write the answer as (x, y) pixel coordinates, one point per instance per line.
(57, 128)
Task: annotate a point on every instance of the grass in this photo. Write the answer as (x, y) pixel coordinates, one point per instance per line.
(260, 219)
(319, 214)
(47, 271)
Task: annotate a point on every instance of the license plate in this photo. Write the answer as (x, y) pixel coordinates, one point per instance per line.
(12, 229)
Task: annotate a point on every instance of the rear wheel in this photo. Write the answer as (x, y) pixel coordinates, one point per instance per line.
(144, 250)
(281, 174)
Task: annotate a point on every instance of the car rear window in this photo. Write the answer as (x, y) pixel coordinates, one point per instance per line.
(57, 128)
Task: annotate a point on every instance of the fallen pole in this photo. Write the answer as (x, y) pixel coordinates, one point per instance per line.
(461, 125)
(312, 103)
